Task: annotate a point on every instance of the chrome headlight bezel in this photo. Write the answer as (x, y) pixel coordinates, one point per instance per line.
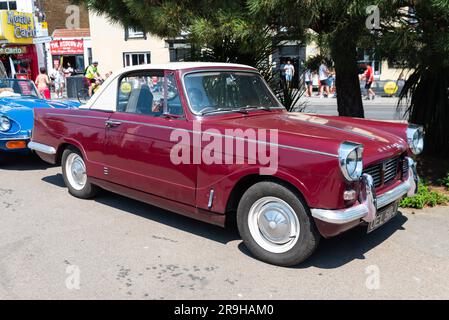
(5, 124)
(350, 156)
(415, 139)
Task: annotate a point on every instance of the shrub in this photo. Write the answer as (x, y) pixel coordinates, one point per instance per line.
(445, 181)
(424, 198)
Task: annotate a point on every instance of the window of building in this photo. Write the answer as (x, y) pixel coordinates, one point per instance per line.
(8, 5)
(136, 58)
(133, 33)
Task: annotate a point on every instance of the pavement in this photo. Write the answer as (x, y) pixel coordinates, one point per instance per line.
(54, 246)
(379, 109)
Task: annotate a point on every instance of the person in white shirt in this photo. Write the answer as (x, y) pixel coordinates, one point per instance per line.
(323, 73)
(289, 73)
(309, 82)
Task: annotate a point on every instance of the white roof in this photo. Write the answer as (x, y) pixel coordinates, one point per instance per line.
(184, 65)
(166, 66)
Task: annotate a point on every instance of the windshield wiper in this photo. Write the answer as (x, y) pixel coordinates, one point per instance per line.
(216, 110)
(258, 107)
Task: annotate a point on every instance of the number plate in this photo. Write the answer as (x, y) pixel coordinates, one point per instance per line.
(383, 216)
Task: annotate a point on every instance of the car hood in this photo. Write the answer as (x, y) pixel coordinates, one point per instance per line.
(323, 133)
(21, 109)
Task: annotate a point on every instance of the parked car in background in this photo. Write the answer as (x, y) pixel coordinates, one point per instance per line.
(332, 174)
(18, 99)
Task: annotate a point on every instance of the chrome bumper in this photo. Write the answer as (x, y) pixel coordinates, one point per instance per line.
(41, 148)
(369, 202)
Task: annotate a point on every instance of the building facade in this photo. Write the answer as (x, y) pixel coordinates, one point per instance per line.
(61, 14)
(115, 47)
(23, 33)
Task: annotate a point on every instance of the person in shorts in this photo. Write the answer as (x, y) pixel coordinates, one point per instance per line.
(323, 73)
(289, 73)
(92, 75)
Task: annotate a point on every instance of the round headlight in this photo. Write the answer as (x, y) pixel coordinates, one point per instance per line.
(350, 159)
(5, 124)
(415, 139)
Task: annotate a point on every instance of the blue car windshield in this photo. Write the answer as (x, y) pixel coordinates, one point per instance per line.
(17, 87)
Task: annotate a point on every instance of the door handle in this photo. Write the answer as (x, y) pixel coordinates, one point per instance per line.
(112, 124)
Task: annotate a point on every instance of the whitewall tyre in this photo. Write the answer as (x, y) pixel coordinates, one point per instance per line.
(276, 225)
(75, 174)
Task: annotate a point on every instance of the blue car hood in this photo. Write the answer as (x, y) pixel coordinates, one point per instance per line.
(21, 109)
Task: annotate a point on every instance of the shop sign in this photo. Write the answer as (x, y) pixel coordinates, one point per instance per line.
(67, 47)
(14, 50)
(17, 27)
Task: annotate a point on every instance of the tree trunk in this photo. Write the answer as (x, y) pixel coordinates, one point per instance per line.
(344, 55)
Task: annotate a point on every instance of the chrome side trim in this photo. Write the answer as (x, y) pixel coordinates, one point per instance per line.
(365, 209)
(41, 148)
(209, 133)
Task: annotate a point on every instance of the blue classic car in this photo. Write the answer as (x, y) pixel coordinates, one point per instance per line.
(18, 99)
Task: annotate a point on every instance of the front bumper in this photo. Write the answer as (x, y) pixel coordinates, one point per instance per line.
(369, 202)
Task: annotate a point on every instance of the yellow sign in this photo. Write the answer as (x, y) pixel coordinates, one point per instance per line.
(391, 88)
(17, 27)
(126, 88)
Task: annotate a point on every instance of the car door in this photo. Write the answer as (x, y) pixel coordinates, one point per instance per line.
(138, 141)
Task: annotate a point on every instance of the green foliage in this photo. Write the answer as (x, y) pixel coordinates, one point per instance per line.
(425, 198)
(445, 181)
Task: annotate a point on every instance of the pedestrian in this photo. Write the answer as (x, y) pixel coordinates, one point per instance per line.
(289, 73)
(282, 72)
(309, 82)
(323, 74)
(43, 83)
(59, 81)
(368, 76)
(92, 75)
(331, 81)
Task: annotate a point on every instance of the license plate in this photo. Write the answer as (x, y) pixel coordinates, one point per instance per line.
(383, 216)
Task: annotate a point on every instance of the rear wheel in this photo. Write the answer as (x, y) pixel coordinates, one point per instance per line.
(275, 224)
(75, 174)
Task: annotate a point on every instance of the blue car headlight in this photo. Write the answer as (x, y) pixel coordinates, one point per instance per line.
(5, 124)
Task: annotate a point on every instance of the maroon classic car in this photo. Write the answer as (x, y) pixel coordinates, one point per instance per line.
(212, 142)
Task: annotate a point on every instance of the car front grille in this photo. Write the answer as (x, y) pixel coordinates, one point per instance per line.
(385, 172)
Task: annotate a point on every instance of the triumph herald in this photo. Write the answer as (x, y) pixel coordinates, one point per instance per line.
(212, 142)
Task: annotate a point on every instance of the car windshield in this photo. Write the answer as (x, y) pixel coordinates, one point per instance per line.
(213, 92)
(17, 88)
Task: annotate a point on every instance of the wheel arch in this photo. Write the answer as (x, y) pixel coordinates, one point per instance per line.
(249, 180)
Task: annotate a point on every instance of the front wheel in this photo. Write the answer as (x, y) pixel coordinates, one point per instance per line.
(275, 225)
(83, 96)
(75, 174)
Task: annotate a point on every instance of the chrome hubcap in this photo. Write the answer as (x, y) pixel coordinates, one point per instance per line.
(273, 224)
(76, 171)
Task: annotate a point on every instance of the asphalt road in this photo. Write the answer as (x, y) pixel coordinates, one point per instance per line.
(53, 245)
(379, 109)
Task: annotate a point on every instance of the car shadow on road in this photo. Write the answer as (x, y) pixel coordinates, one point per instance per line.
(352, 245)
(331, 253)
(177, 221)
(18, 162)
(199, 228)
